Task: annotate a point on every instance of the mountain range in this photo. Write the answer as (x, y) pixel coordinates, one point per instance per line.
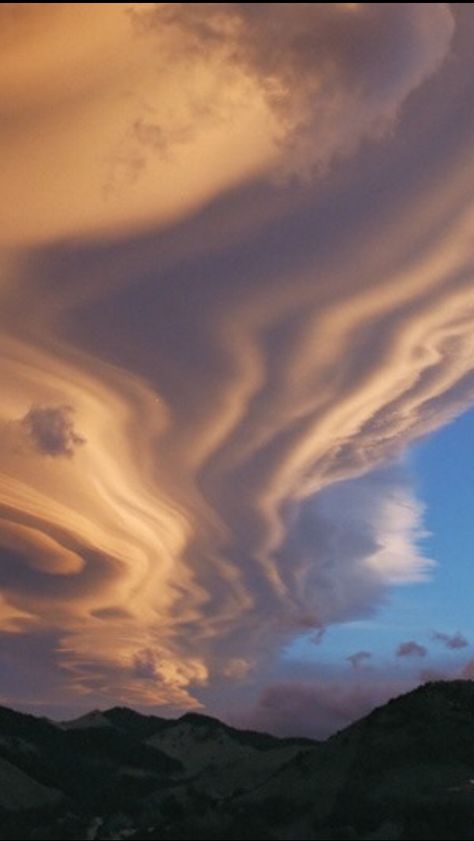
(404, 771)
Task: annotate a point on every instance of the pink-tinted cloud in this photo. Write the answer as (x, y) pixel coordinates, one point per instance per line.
(318, 708)
(468, 671)
(323, 703)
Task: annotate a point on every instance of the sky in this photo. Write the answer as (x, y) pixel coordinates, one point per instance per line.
(237, 343)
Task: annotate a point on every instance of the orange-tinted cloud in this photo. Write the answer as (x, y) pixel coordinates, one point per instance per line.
(120, 115)
(233, 374)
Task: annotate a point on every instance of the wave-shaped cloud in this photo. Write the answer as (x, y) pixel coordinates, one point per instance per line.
(222, 385)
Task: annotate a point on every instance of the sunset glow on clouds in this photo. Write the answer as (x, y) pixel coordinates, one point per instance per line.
(236, 285)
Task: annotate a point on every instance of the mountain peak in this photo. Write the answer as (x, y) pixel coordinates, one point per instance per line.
(438, 697)
(94, 718)
(201, 719)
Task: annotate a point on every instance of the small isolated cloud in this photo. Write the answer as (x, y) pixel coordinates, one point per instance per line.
(411, 649)
(51, 430)
(452, 641)
(359, 658)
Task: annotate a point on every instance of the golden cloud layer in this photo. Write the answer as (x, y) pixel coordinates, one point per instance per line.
(180, 409)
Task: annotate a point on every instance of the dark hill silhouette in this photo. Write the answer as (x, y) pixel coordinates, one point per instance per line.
(404, 771)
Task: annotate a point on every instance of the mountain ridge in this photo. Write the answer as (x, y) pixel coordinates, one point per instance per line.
(405, 770)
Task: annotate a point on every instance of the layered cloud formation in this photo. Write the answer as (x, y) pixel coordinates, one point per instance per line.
(121, 114)
(236, 285)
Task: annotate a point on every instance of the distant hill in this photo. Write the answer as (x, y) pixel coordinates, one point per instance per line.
(406, 771)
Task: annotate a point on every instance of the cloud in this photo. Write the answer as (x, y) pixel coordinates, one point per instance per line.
(432, 675)
(318, 708)
(168, 105)
(411, 649)
(144, 665)
(467, 672)
(452, 641)
(325, 700)
(331, 74)
(51, 430)
(318, 637)
(359, 658)
(245, 372)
